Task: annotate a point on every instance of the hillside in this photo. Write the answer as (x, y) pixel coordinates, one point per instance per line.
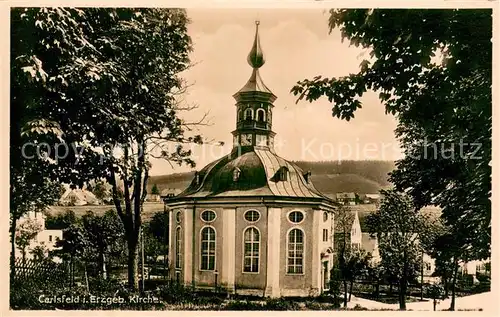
(331, 177)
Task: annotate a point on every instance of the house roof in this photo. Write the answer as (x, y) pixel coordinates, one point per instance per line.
(346, 196)
(168, 191)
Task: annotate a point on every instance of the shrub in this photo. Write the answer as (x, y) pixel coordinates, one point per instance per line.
(359, 307)
(244, 305)
(281, 304)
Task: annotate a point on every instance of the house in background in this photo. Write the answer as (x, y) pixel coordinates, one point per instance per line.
(45, 238)
(363, 241)
(474, 268)
(360, 239)
(372, 198)
(153, 198)
(78, 197)
(346, 198)
(170, 192)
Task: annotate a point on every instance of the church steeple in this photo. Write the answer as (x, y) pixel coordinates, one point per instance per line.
(254, 104)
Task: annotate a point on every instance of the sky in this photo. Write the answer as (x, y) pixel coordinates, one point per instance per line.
(297, 45)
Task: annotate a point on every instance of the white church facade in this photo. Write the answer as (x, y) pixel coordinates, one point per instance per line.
(252, 222)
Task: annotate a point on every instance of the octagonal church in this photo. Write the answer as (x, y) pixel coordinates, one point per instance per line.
(252, 222)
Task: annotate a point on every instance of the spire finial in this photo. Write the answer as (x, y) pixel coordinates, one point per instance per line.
(256, 57)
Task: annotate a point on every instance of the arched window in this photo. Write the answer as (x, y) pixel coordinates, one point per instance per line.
(178, 246)
(249, 114)
(240, 115)
(325, 216)
(207, 249)
(252, 250)
(261, 115)
(295, 261)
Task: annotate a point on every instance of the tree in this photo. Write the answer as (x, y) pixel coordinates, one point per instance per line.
(399, 226)
(343, 224)
(61, 220)
(335, 283)
(356, 264)
(448, 254)
(105, 84)
(433, 70)
(102, 233)
(73, 247)
(25, 233)
(39, 252)
(100, 191)
(435, 291)
(155, 190)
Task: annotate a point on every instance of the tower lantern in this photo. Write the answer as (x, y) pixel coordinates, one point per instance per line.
(254, 104)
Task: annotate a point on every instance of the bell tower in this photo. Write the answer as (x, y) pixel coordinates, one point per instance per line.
(254, 105)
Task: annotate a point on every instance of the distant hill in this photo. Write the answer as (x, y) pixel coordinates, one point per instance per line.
(330, 177)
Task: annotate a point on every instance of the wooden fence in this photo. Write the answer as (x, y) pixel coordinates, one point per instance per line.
(36, 271)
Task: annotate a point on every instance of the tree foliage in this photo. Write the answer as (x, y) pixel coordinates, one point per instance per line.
(155, 190)
(433, 70)
(98, 87)
(60, 221)
(25, 233)
(399, 227)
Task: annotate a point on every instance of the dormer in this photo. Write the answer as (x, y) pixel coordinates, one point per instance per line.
(282, 174)
(236, 174)
(307, 176)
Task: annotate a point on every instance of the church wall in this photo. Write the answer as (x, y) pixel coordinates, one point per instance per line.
(298, 284)
(246, 280)
(207, 278)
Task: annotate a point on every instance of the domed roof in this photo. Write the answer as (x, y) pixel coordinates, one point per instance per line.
(252, 173)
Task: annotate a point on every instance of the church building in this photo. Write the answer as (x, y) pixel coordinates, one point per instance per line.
(252, 222)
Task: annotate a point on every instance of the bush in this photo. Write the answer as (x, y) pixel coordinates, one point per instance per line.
(280, 304)
(359, 307)
(244, 305)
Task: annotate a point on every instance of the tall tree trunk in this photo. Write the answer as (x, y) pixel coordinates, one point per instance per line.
(446, 287)
(453, 284)
(103, 266)
(402, 294)
(350, 289)
(345, 293)
(133, 262)
(403, 284)
(13, 247)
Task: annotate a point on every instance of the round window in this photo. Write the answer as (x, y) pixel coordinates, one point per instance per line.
(296, 216)
(325, 216)
(252, 215)
(178, 217)
(208, 216)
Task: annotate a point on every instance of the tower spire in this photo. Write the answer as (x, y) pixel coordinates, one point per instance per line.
(256, 56)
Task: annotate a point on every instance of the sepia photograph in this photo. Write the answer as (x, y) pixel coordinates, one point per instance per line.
(250, 159)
